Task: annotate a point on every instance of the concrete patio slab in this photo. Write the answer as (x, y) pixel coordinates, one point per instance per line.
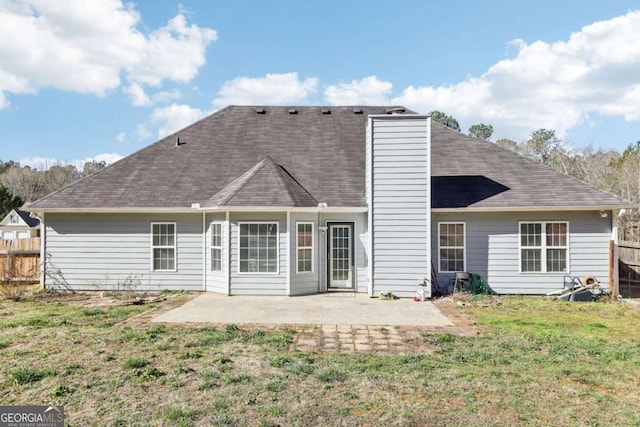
(321, 309)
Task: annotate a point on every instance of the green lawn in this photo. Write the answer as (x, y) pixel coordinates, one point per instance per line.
(535, 362)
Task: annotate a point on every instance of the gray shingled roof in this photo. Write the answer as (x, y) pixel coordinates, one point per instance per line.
(302, 156)
(265, 184)
(473, 173)
(323, 153)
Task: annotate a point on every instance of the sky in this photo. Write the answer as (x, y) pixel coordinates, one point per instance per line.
(97, 80)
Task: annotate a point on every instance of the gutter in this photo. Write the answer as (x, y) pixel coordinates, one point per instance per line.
(200, 209)
(536, 208)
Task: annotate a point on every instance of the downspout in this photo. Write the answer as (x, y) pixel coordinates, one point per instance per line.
(227, 270)
(204, 251)
(369, 166)
(43, 258)
(319, 252)
(428, 239)
(288, 256)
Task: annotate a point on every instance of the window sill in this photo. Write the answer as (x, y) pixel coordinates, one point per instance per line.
(537, 273)
(244, 273)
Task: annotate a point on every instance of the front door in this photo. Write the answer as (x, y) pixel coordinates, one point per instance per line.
(340, 256)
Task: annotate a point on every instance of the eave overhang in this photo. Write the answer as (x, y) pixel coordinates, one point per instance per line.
(201, 209)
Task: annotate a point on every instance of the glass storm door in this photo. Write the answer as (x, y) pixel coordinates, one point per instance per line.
(340, 256)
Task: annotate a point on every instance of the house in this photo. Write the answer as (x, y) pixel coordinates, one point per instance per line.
(301, 200)
(18, 224)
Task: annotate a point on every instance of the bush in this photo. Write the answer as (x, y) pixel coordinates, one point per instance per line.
(135, 363)
(14, 291)
(26, 375)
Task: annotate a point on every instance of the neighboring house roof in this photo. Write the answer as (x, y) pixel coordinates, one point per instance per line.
(473, 173)
(302, 156)
(24, 216)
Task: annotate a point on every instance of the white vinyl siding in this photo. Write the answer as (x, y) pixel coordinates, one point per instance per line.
(544, 247)
(304, 247)
(493, 246)
(163, 246)
(216, 247)
(259, 247)
(451, 247)
(89, 252)
(399, 198)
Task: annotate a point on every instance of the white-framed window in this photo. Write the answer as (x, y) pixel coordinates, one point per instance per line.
(13, 219)
(216, 246)
(451, 247)
(163, 246)
(258, 244)
(544, 247)
(304, 247)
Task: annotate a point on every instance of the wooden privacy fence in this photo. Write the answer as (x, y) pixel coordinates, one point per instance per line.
(629, 268)
(20, 260)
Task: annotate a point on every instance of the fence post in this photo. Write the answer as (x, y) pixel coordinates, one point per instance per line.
(616, 269)
(612, 261)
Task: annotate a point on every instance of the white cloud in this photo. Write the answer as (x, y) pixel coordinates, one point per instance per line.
(551, 85)
(174, 117)
(108, 158)
(139, 97)
(368, 91)
(121, 137)
(85, 47)
(271, 89)
(174, 52)
(142, 131)
(44, 163)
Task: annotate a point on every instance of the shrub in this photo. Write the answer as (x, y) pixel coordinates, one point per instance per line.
(14, 291)
(61, 390)
(332, 375)
(26, 375)
(136, 363)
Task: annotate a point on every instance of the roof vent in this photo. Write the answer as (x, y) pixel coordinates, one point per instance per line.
(396, 110)
(261, 111)
(293, 111)
(178, 142)
(325, 111)
(357, 111)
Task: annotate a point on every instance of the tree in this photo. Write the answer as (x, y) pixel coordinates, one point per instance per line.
(6, 165)
(59, 176)
(542, 145)
(625, 172)
(8, 201)
(442, 118)
(25, 182)
(92, 167)
(510, 145)
(481, 131)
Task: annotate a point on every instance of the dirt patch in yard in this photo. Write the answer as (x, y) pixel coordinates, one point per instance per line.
(450, 307)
